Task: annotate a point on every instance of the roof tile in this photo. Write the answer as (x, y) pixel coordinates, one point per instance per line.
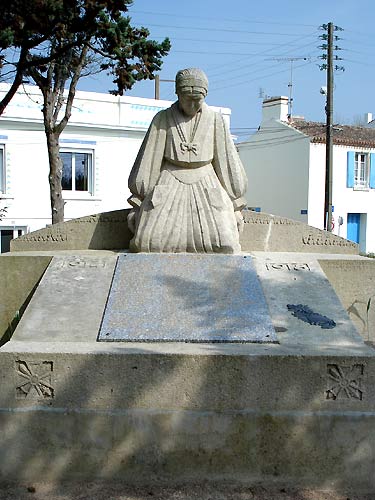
(344, 135)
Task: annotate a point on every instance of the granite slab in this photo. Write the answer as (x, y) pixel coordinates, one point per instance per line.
(186, 298)
(293, 281)
(69, 302)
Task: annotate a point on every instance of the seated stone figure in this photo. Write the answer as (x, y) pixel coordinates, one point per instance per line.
(187, 182)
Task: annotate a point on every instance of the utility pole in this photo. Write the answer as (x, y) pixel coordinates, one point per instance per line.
(329, 138)
(157, 86)
(329, 67)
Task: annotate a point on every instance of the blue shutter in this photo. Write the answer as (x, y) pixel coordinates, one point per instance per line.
(372, 170)
(350, 170)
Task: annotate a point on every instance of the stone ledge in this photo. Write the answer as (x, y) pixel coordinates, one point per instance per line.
(109, 230)
(159, 417)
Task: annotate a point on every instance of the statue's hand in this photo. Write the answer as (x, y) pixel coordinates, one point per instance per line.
(132, 220)
(239, 220)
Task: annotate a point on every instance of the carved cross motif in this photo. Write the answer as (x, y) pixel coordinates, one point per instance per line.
(34, 380)
(344, 382)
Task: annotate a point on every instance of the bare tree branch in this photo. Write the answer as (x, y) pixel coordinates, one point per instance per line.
(16, 82)
(72, 90)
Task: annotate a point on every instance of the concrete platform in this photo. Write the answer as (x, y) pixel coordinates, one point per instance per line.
(300, 412)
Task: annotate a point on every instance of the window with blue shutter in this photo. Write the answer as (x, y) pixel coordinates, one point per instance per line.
(350, 169)
(372, 170)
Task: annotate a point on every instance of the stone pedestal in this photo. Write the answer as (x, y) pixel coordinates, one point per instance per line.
(298, 411)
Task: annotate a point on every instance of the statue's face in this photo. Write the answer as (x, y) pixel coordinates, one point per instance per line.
(190, 103)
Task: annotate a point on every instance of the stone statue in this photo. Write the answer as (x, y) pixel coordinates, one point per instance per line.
(187, 182)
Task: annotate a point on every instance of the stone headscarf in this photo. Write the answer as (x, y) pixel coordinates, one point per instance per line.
(192, 80)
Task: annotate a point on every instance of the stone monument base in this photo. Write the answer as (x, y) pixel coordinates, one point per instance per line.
(297, 412)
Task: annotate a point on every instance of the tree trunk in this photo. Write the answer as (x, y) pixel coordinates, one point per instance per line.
(53, 136)
(55, 176)
(52, 87)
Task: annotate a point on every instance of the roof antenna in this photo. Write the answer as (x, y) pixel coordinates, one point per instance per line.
(262, 94)
(290, 84)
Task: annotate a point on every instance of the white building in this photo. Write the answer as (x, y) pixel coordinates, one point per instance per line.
(99, 146)
(285, 164)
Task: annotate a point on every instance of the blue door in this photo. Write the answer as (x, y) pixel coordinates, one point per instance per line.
(353, 227)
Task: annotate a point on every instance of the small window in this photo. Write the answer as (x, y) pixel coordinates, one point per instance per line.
(77, 172)
(2, 168)
(361, 170)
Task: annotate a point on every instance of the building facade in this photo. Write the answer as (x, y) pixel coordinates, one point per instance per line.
(98, 148)
(285, 164)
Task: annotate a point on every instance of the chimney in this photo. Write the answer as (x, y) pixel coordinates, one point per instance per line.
(368, 117)
(275, 108)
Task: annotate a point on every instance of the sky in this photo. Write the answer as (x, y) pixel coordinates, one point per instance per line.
(254, 49)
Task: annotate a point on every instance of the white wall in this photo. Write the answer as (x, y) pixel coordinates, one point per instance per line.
(317, 181)
(112, 127)
(344, 200)
(276, 161)
(27, 196)
(26, 176)
(348, 200)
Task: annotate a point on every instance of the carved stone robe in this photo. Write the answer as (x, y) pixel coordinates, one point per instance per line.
(186, 183)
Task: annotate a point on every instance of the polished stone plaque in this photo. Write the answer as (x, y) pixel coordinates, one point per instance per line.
(186, 298)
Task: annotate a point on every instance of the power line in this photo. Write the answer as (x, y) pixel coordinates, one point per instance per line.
(220, 30)
(234, 54)
(358, 52)
(238, 65)
(359, 33)
(262, 53)
(359, 62)
(168, 14)
(244, 82)
(205, 40)
(357, 42)
(259, 144)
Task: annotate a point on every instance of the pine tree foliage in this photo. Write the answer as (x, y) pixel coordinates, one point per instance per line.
(54, 43)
